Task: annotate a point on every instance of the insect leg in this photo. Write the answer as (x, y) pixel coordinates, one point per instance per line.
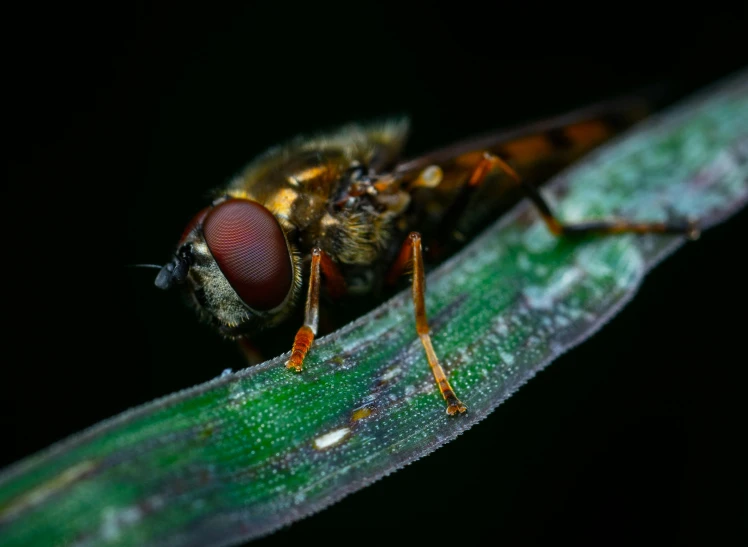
(305, 335)
(688, 228)
(336, 285)
(411, 253)
(334, 280)
(489, 162)
(447, 230)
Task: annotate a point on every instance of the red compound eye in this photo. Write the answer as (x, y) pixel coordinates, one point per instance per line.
(196, 220)
(250, 248)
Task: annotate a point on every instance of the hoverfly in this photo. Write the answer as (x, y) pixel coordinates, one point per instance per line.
(342, 207)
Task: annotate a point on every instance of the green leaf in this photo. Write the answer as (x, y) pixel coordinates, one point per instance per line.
(244, 454)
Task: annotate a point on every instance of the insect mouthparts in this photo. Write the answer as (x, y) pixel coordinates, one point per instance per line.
(172, 272)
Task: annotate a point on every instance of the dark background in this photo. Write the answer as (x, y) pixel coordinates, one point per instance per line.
(122, 118)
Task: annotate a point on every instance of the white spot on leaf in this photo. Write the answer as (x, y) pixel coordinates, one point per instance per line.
(543, 297)
(391, 373)
(507, 357)
(332, 438)
(113, 519)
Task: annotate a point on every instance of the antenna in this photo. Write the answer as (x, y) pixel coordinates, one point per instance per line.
(150, 266)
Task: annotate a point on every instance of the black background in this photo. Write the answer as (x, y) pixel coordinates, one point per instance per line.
(122, 118)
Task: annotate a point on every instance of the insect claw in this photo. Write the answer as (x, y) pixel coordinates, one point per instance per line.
(294, 366)
(455, 406)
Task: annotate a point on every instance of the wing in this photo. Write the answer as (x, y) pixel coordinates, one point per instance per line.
(556, 141)
(450, 208)
(535, 151)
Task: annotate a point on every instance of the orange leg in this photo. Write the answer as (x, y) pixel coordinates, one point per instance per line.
(411, 253)
(334, 280)
(490, 162)
(447, 229)
(336, 283)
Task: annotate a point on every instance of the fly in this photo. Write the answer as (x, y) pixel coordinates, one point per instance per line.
(343, 208)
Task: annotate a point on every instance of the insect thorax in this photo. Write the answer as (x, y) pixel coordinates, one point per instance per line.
(326, 192)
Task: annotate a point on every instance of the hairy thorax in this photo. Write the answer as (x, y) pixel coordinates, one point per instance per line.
(327, 193)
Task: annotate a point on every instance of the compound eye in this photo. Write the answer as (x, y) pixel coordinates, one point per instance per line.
(196, 221)
(249, 246)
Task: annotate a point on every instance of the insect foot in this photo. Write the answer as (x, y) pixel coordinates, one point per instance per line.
(454, 406)
(291, 365)
(301, 345)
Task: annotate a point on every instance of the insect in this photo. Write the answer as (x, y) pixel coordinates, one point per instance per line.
(343, 209)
